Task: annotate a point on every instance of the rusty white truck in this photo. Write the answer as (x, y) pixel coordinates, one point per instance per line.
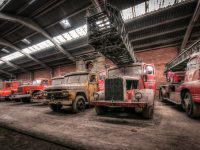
(183, 76)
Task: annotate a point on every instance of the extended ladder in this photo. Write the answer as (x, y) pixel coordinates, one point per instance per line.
(180, 62)
(107, 34)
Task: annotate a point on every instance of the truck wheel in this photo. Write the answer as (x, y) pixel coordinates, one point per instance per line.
(192, 109)
(79, 104)
(148, 112)
(55, 107)
(161, 98)
(100, 110)
(26, 100)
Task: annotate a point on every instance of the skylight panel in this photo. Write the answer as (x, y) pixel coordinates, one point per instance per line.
(5, 50)
(67, 36)
(12, 56)
(127, 13)
(140, 9)
(1, 62)
(32, 49)
(36, 47)
(81, 31)
(26, 41)
(27, 50)
(168, 3)
(49, 43)
(59, 39)
(85, 28)
(65, 23)
(74, 34)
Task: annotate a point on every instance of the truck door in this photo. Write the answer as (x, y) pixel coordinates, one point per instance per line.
(92, 86)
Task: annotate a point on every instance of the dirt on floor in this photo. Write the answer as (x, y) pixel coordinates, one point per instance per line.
(169, 129)
(11, 140)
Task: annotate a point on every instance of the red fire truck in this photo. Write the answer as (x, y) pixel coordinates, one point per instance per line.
(28, 91)
(130, 86)
(183, 76)
(7, 88)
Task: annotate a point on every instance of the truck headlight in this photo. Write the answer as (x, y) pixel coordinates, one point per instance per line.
(96, 96)
(138, 96)
(65, 93)
(45, 94)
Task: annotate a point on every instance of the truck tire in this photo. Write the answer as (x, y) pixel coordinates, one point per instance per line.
(78, 105)
(100, 110)
(26, 100)
(148, 112)
(161, 98)
(192, 109)
(55, 107)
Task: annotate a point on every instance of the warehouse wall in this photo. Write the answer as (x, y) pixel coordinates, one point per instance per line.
(159, 57)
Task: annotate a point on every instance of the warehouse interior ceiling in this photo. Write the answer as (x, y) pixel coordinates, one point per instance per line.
(39, 34)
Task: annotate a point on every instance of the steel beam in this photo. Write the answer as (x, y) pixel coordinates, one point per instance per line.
(191, 25)
(158, 34)
(14, 65)
(158, 42)
(7, 73)
(34, 26)
(8, 44)
(160, 23)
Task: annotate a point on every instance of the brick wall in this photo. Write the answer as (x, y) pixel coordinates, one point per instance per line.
(159, 57)
(24, 76)
(62, 70)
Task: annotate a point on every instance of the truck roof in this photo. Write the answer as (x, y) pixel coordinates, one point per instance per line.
(58, 77)
(78, 73)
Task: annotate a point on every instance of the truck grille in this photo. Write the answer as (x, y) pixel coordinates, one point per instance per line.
(114, 89)
(55, 95)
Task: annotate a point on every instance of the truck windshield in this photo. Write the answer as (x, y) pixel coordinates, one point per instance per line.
(1, 86)
(125, 71)
(36, 82)
(76, 79)
(57, 81)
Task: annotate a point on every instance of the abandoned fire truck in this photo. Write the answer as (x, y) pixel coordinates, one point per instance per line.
(183, 76)
(55, 82)
(8, 88)
(130, 84)
(28, 91)
(76, 91)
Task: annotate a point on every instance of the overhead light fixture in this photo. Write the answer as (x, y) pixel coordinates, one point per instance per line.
(26, 41)
(5, 50)
(65, 23)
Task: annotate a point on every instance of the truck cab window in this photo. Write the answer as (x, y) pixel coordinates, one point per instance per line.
(8, 85)
(45, 82)
(131, 84)
(93, 78)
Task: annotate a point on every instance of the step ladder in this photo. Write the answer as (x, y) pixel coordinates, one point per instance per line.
(107, 34)
(180, 62)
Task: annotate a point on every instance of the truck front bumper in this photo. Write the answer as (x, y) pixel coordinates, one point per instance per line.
(18, 96)
(119, 104)
(60, 102)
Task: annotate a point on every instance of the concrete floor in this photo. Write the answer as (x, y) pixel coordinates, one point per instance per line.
(169, 129)
(10, 140)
